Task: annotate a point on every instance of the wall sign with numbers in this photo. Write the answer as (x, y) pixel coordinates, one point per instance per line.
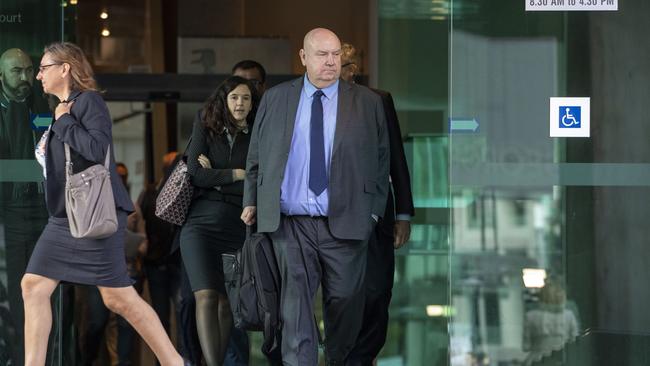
(571, 5)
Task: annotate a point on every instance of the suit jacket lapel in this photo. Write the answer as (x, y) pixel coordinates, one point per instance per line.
(342, 113)
(292, 109)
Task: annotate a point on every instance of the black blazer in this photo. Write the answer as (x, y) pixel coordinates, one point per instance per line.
(87, 129)
(358, 180)
(222, 159)
(399, 170)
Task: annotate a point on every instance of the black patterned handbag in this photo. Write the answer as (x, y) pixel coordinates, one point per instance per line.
(175, 197)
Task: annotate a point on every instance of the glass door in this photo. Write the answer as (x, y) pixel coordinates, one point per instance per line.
(548, 235)
(25, 28)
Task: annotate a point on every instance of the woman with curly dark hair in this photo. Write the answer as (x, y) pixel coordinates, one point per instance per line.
(216, 159)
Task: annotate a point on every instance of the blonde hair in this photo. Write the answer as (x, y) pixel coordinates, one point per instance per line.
(81, 72)
(349, 54)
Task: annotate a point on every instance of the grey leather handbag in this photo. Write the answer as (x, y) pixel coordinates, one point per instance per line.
(89, 201)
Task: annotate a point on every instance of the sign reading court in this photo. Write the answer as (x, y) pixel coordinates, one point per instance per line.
(569, 117)
(571, 5)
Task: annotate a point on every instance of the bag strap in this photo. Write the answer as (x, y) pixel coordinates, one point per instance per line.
(250, 230)
(68, 163)
(187, 146)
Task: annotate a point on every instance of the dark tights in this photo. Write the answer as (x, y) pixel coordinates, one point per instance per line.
(213, 323)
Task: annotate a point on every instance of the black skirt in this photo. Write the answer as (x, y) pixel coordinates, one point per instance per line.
(99, 262)
(212, 229)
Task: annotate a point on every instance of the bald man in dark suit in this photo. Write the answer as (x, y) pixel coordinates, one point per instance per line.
(317, 182)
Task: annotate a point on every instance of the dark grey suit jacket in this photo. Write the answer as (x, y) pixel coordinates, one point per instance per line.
(399, 171)
(87, 129)
(358, 181)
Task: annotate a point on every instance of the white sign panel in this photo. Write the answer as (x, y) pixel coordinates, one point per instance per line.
(571, 5)
(569, 117)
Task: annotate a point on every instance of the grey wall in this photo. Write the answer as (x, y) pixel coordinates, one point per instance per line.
(620, 67)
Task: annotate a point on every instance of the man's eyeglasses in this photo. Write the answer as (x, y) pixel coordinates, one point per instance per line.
(42, 68)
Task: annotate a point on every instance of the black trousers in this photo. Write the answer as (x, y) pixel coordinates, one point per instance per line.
(310, 256)
(379, 286)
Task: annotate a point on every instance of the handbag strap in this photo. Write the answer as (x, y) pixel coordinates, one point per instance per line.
(187, 146)
(68, 163)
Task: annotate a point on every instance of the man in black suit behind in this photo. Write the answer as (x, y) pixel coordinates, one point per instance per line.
(22, 204)
(317, 182)
(392, 231)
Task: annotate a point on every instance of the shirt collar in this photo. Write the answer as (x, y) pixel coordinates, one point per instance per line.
(73, 94)
(329, 91)
(244, 130)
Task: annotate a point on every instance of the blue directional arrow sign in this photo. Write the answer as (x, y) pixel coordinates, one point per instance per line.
(463, 125)
(42, 121)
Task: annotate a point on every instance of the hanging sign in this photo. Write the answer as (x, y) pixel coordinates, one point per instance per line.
(571, 5)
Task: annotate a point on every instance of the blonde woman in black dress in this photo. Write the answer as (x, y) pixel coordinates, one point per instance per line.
(83, 122)
(216, 160)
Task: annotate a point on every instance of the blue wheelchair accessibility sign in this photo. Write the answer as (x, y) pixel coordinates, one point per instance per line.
(569, 117)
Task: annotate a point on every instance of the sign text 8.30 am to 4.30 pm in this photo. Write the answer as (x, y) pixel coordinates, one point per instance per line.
(571, 5)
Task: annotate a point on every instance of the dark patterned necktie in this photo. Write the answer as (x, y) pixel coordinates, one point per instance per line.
(317, 171)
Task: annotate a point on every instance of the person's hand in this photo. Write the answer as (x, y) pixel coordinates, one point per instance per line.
(240, 174)
(142, 248)
(62, 108)
(402, 232)
(205, 162)
(248, 215)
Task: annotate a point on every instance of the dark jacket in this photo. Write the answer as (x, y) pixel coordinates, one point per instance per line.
(399, 170)
(17, 141)
(358, 180)
(87, 129)
(222, 159)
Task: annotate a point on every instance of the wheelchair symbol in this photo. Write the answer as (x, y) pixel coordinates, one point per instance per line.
(570, 117)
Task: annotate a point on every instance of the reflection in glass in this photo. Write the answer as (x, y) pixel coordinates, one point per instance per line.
(22, 203)
(550, 325)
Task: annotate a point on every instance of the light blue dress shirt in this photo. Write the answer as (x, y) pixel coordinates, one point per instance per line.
(296, 198)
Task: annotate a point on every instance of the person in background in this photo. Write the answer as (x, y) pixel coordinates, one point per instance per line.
(120, 336)
(252, 71)
(216, 158)
(551, 325)
(391, 233)
(22, 204)
(161, 267)
(238, 351)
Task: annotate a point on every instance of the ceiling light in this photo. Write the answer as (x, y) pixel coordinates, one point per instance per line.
(534, 277)
(103, 15)
(436, 311)
(106, 32)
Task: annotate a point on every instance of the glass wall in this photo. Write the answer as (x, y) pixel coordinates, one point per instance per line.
(413, 67)
(548, 233)
(25, 28)
(526, 249)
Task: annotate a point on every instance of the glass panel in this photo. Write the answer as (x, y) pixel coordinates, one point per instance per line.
(413, 67)
(129, 141)
(547, 233)
(25, 28)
